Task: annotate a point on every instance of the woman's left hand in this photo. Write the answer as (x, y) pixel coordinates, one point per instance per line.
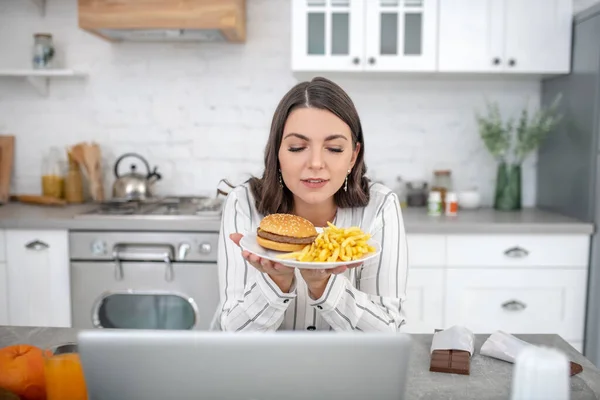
(316, 279)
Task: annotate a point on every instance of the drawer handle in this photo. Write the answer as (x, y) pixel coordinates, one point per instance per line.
(36, 245)
(516, 252)
(514, 305)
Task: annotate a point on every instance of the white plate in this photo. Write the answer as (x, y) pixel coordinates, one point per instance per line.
(250, 244)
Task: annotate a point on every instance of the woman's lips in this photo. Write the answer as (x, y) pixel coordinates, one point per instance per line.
(314, 183)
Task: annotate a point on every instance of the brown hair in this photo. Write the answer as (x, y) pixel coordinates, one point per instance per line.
(323, 94)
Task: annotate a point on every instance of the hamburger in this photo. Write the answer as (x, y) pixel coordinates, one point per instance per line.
(285, 232)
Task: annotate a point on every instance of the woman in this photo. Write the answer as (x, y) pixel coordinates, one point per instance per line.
(314, 168)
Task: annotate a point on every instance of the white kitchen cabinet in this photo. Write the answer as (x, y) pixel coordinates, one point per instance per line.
(3, 294)
(328, 35)
(507, 36)
(424, 304)
(530, 251)
(517, 301)
(38, 278)
(401, 35)
(362, 35)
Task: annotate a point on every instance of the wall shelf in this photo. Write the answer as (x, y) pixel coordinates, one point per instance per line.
(41, 4)
(40, 78)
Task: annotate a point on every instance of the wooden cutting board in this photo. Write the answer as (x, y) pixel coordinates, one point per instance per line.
(7, 148)
(40, 200)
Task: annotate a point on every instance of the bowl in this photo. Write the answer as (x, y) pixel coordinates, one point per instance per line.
(469, 199)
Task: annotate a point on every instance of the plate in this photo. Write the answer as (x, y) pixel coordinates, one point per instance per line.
(249, 243)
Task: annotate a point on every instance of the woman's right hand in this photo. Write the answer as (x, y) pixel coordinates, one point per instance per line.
(282, 275)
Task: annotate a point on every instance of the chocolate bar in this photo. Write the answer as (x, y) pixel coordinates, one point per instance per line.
(450, 361)
(575, 368)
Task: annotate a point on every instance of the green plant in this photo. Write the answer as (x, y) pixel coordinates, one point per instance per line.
(511, 141)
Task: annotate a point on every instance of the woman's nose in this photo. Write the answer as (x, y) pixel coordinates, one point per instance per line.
(316, 160)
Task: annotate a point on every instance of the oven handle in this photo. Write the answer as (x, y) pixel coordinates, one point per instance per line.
(143, 252)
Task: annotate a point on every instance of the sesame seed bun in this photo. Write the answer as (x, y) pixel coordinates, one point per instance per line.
(285, 232)
(288, 225)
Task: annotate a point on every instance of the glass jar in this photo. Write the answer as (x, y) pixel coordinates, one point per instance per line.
(43, 51)
(400, 190)
(53, 177)
(442, 182)
(416, 194)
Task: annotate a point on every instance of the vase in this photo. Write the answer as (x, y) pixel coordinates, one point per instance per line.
(508, 187)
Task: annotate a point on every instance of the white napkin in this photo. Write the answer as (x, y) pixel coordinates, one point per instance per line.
(454, 338)
(503, 346)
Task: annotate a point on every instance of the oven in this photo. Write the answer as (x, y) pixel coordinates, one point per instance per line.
(143, 280)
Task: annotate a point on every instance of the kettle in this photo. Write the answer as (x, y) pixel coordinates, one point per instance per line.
(133, 185)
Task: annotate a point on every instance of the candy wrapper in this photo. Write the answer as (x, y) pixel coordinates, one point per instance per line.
(451, 351)
(454, 338)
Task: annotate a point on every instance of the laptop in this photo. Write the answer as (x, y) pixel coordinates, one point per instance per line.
(156, 365)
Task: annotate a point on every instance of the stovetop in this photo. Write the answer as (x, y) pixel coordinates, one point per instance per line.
(164, 207)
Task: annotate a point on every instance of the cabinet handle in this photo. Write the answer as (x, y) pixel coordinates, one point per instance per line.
(205, 248)
(372, 60)
(496, 61)
(356, 60)
(36, 245)
(169, 273)
(516, 252)
(514, 305)
(512, 62)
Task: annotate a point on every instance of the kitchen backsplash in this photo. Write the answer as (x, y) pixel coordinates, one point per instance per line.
(201, 112)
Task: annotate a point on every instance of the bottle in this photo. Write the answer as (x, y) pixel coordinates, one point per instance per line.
(43, 51)
(442, 182)
(451, 204)
(434, 203)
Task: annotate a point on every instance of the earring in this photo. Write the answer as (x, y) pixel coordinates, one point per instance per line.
(346, 184)
(280, 180)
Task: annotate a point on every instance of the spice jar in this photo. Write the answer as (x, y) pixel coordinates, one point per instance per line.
(434, 204)
(53, 181)
(43, 51)
(442, 182)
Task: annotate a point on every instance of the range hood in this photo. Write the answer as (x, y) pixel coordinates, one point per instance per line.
(164, 20)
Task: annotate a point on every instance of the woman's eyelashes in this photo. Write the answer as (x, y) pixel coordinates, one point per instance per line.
(295, 149)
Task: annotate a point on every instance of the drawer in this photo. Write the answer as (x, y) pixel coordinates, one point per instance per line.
(426, 250)
(517, 301)
(424, 305)
(568, 251)
(2, 246)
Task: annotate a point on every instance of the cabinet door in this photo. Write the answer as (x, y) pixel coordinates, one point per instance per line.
(3, 294)
(327, 35)
(538, 36)
(471, 36)
(401, 35)
(424, 304)
(38, 278)
(548, 301)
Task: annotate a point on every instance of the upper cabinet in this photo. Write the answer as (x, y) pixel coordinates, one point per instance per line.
(468, 36)
(357, 35)
(508, 36)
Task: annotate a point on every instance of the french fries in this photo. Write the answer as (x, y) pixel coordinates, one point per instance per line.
(334, 245)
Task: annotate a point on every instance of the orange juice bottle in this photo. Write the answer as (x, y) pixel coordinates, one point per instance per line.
(64, 373)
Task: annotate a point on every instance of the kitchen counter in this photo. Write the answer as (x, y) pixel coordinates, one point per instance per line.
(486, 220)
(490, 378)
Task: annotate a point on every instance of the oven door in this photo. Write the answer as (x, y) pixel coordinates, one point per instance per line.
(144, 295)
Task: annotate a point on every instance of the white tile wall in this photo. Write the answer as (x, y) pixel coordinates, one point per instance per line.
(201, 112)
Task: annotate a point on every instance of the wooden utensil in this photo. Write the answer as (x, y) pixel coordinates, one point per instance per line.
(7, 146)
(39, 200)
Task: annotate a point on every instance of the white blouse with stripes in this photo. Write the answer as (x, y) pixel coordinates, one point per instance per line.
(366, 298)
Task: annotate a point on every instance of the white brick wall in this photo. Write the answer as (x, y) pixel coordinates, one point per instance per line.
(201, 112)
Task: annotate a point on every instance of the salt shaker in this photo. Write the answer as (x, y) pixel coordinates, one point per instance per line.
(541, 373)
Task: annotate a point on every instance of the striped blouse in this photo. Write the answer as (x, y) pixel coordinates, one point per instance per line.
(366, 298)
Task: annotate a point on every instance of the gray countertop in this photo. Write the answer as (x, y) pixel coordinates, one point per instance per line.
(23, 216)
(489, 379)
